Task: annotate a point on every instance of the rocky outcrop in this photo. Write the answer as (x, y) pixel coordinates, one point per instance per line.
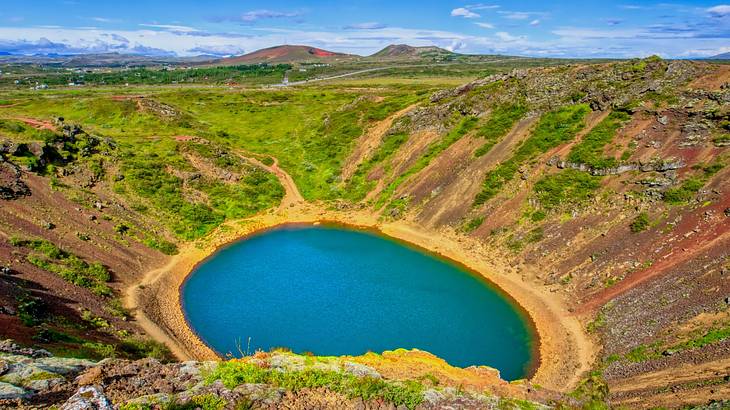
(656, 165)
(11, 183)
(34, 377)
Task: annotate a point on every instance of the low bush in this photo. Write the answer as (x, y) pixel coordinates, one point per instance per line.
(566, 188)
(590, 150)
(235, 373)
(640, 223)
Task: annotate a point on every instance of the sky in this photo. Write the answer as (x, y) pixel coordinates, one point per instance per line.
(563, 28)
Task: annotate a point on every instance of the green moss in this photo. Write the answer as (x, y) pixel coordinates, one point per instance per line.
(235, 373)
(640, 223)
(589, 150)
(463, 126)
(566, 188)
(553, 129)
(500, 122)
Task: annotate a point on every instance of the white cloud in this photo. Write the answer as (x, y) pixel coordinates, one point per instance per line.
(187, 41)
(485, 25)
(535, 22)
(464, 12)
(507, 37)
(104, 20)
(365, 26)
(256, 15)
(515, 15)
(482, 6)
(721, 10)
(172, 27)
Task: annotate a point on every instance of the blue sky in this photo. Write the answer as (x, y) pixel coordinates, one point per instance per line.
(184, 27)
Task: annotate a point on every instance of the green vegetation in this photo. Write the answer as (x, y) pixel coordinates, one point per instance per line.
(568, 187)
(141, 175)
(358, 185)
(686, 192)
(640, 223)
(554, 128)
(70, 267)
(592, 392)
(235, 373)
(464, 125)
(589, 150)
(500, 122)
(472, 224)
(217, 75)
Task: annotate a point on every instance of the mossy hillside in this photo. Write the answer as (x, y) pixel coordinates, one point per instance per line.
(500, 122)
(463, 125)
(70, 267)
(554, 128)
(590, 150)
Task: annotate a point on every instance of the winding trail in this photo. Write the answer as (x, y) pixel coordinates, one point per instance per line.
(292, 196)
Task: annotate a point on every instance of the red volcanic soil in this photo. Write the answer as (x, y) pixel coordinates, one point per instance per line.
(694, 235)
(41, 125)
(282, 54)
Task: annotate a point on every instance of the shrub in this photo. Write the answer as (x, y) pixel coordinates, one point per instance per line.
(472, 224)
(640, 223)
(566, 188)
(685, 192)
(166, 247)
(590, 150)
(66, 265)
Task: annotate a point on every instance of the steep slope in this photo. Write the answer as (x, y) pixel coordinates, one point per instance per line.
(287, 54)
(610, 189)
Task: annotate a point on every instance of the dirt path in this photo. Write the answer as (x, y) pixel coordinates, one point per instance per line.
(38, 124)
(369, 142)
(292, 196)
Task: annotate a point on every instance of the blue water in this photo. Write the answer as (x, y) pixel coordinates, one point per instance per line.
(336, 291)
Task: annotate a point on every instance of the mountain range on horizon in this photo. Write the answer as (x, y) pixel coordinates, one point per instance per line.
(275, 55)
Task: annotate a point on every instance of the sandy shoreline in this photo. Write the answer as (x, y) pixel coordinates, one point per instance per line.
(565, 351)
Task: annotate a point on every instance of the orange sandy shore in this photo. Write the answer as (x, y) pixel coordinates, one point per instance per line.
(565, 350)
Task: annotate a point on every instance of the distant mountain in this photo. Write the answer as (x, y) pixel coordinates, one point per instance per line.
(400, 51)
(723, 56)
(99, 60)
(287, 54)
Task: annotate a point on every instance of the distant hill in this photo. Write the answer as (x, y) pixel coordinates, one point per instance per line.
(286, 54)
(723, 56)
(399, 51)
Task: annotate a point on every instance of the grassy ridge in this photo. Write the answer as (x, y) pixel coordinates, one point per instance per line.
(464, 125)
(590, 150)
(553, 129)
(500, 122)
(236, 373)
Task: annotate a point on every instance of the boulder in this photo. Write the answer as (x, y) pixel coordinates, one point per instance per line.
(10, 392)
(11, 184)
(88, 398)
